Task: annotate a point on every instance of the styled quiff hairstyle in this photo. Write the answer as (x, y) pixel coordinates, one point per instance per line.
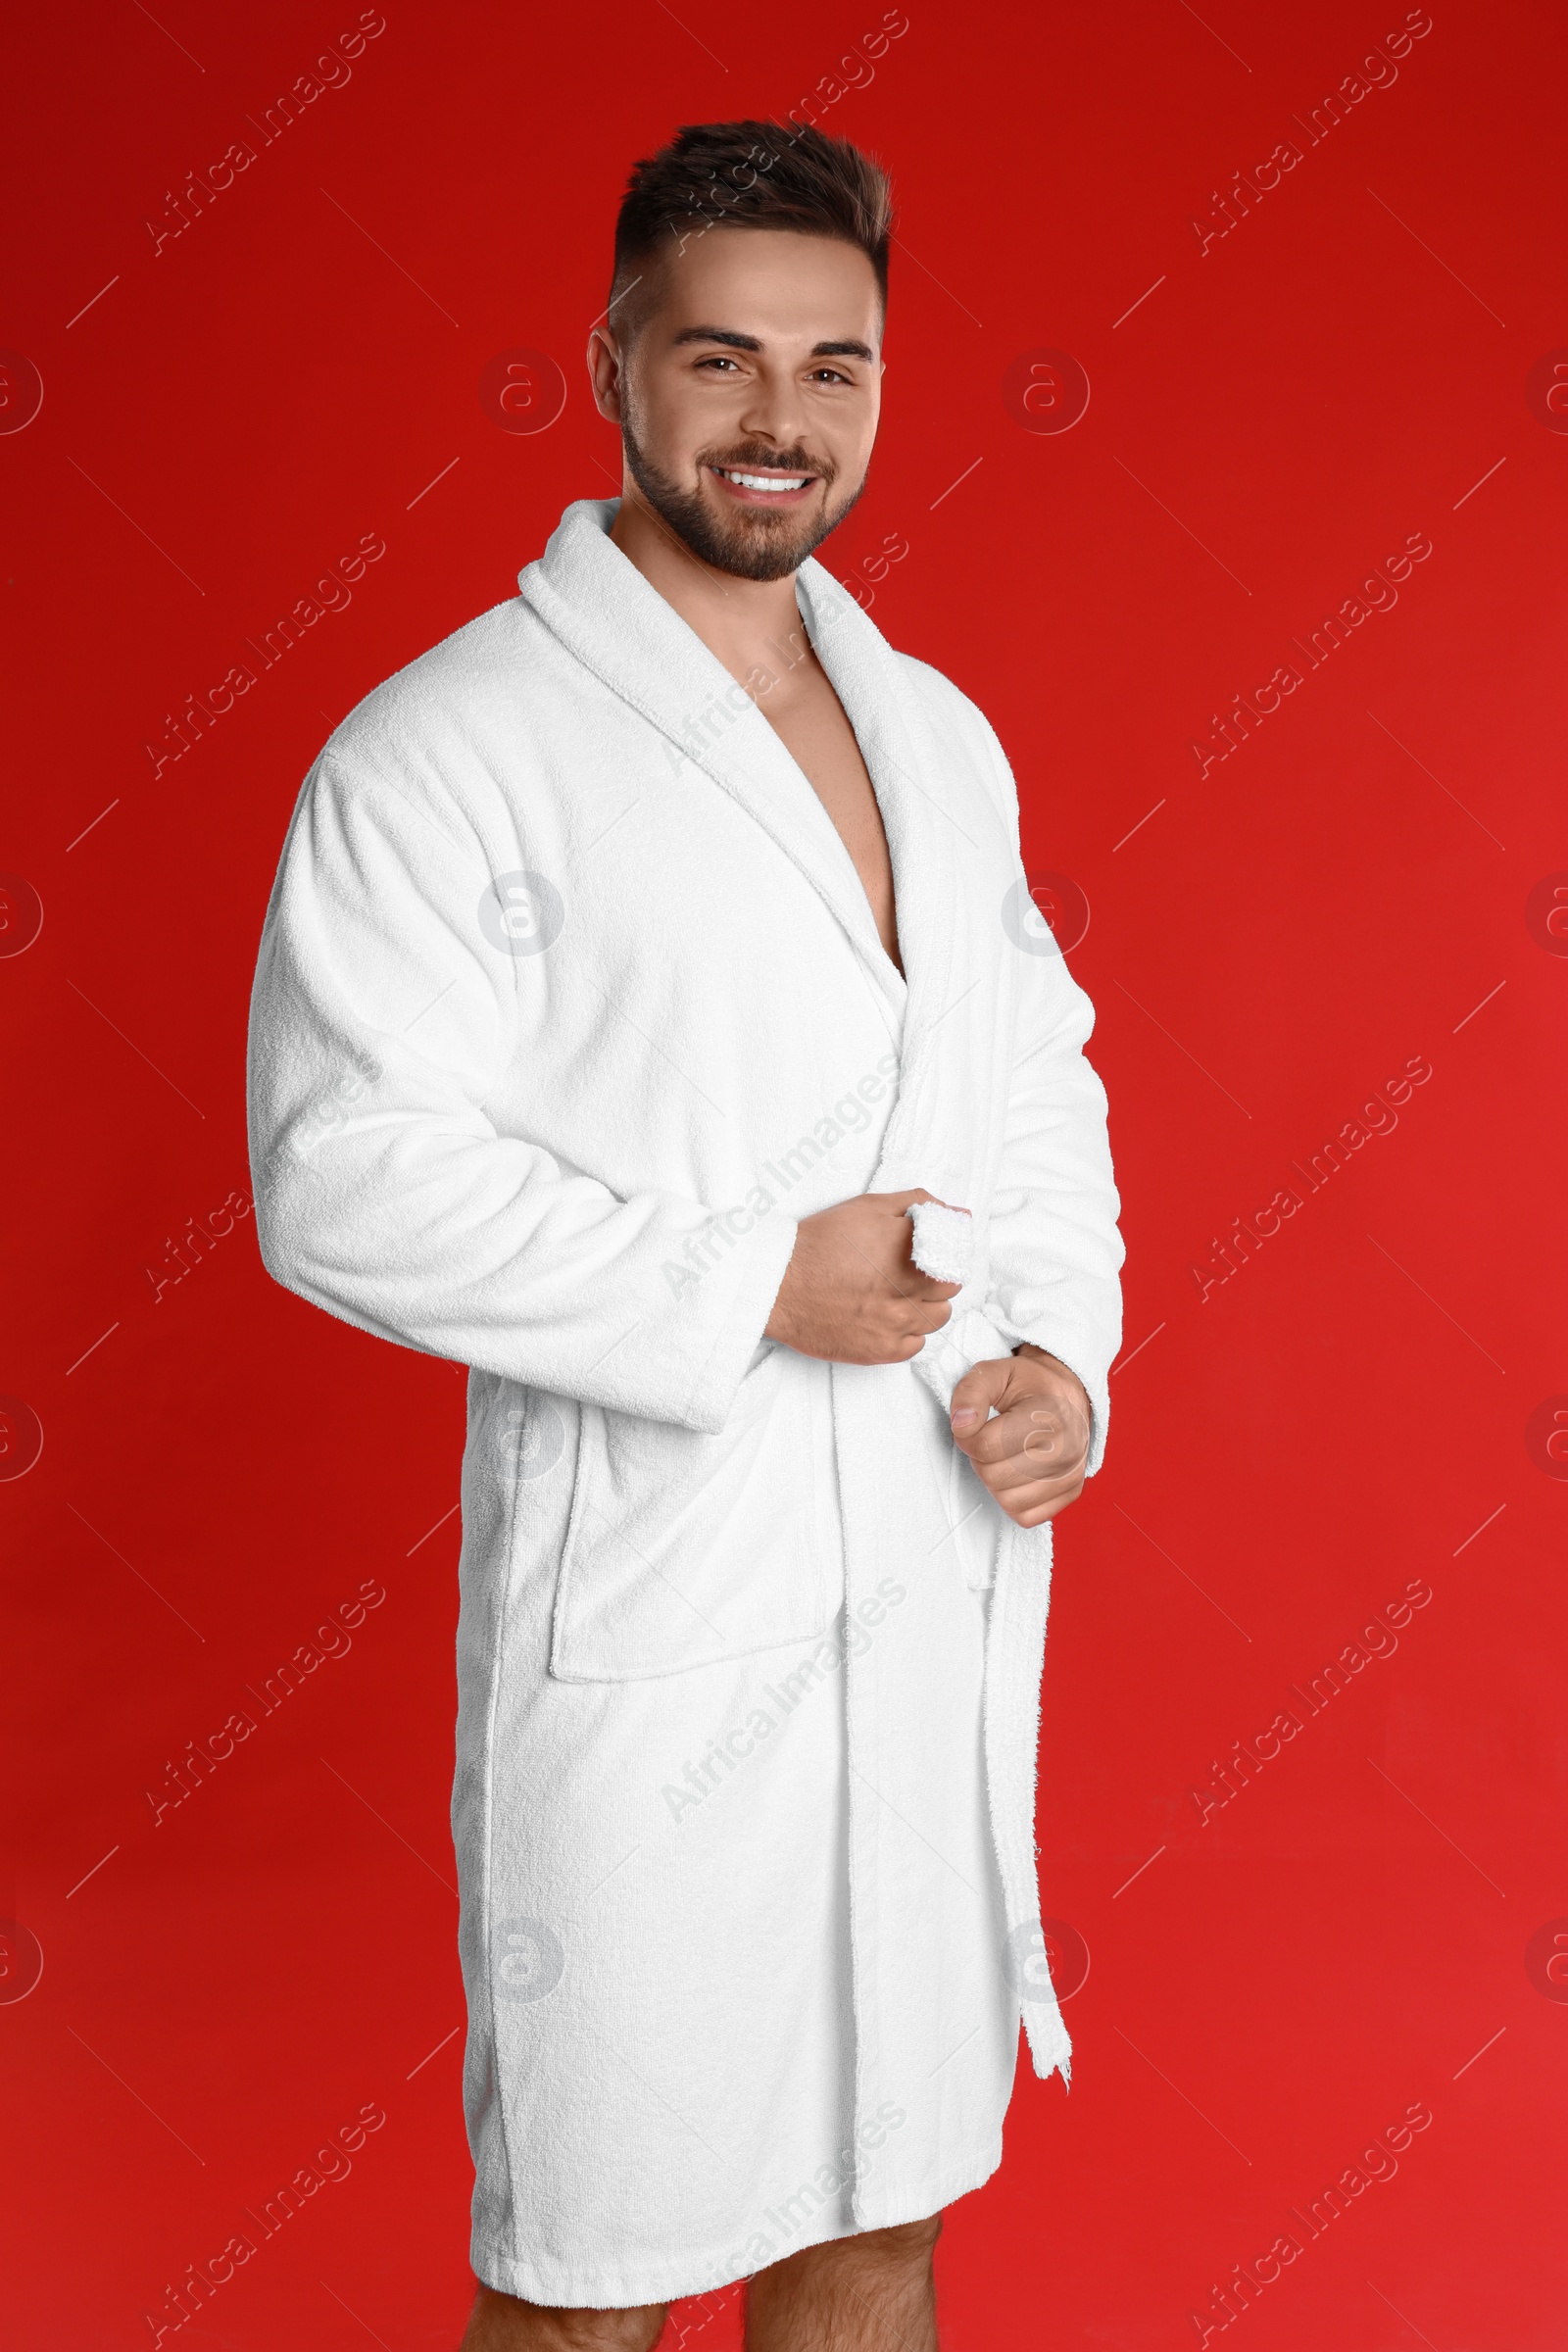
(748, 176)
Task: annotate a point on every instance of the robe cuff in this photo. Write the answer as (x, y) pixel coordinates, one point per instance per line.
(1084, 1359)
(756, 1271)
(1076, 1361)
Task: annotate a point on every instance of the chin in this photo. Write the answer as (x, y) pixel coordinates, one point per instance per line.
(746, 546)
(762, 554)
(753, 545)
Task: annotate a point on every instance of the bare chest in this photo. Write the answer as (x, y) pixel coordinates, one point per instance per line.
(815, 731)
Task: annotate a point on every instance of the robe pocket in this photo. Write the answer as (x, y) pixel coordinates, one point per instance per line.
(683, 1549)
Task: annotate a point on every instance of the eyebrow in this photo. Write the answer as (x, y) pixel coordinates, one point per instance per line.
(740, 342)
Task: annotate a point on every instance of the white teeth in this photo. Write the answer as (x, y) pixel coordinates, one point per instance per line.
(759, 481)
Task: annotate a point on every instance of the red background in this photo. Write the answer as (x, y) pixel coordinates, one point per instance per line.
(221, 1464)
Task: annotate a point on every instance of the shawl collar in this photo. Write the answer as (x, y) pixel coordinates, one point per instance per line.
(599, 607)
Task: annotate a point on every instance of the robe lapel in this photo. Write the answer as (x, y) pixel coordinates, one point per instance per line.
(621, 628)
(598, 606)
(922, 827)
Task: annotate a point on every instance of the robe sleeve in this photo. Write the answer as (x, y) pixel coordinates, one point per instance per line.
(381, 1024)
(1056, 1250)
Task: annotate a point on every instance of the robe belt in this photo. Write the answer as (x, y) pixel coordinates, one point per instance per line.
(1015, 1642)
(1014, 1661)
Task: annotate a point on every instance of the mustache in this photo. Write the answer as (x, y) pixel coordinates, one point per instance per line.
(757, 459)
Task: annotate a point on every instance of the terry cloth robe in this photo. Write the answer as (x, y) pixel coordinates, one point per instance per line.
(570, 1006)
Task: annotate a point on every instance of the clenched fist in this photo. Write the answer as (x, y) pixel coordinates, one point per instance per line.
(1033, 1454)
(852, 1293)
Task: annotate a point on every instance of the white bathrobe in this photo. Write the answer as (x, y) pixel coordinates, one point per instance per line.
(570, 1006)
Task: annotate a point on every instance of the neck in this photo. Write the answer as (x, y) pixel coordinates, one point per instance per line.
(747, 624)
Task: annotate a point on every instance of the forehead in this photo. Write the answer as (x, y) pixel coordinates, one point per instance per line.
(782, 286)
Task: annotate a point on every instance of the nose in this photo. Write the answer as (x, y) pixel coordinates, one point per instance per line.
(774, 412)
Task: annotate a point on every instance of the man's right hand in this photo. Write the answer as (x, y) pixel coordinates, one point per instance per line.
(852, 1293)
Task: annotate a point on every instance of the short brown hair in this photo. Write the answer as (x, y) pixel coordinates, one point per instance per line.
(750, 176)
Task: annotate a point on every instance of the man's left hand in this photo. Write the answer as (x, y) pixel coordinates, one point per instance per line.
(1032, 1456)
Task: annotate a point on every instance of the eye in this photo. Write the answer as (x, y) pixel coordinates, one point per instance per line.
(832, 376)
(716, 360)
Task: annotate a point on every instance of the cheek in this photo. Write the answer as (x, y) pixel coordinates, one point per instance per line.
(850, 454)
(676, 416)
(862, 437)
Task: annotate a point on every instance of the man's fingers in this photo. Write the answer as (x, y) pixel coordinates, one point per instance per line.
(906, 1278)
(1010, 1484)
(924, 1303)
(901, 1203)
(1020, 1497)
(912, 1284)
(915, 1323)
(1036, 1514)
(1017, 1465)
(1031, 1456)
(1040, 1432)
(981, 1387)
(1032, 1429)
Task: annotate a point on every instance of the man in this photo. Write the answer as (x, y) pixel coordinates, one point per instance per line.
(640, 959)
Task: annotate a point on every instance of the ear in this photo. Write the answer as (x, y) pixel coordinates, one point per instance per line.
(605, 363)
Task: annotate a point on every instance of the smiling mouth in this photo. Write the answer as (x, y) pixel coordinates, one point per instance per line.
(753, 488)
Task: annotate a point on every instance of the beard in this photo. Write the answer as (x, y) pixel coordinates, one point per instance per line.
(749, 542)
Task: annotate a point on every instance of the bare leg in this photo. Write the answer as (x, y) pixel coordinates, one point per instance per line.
(507, 2323)
(870, 2293)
